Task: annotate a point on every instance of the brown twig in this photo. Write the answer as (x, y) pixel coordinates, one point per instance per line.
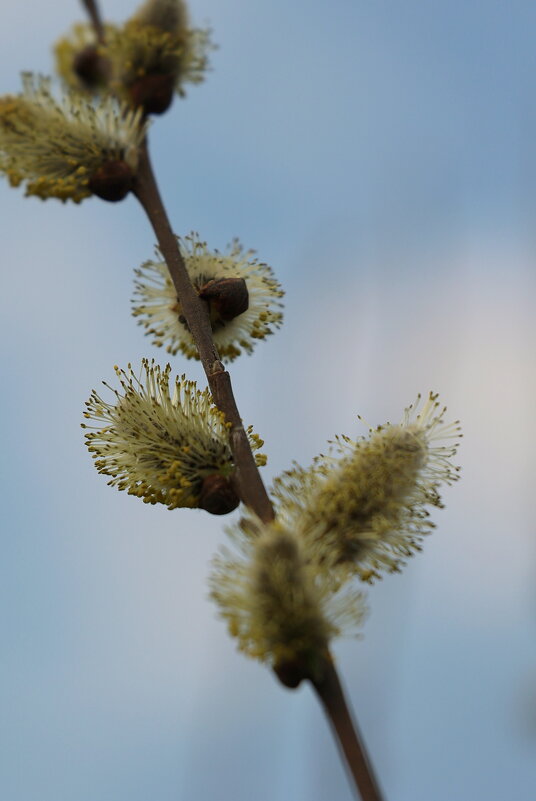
(249, 483)
(331, 695)
(96, 20)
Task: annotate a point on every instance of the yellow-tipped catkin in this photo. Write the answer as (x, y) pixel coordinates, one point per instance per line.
(156, 53)
(81, 60)
(158, 308)
(160, 444)
(368, 499)
(281, 601)
(56, 146)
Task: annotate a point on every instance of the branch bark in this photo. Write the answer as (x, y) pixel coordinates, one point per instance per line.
(95, 17)
(248, 481)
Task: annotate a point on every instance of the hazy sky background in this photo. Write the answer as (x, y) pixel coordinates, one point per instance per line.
(381, 157)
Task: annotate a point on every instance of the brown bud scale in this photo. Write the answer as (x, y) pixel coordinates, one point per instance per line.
(112, 181)
(290, 674)
(92, 69)
(154, 93)
(227, 297)
(217, 495)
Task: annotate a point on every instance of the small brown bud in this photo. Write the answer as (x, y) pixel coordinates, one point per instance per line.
(92, 69)
(112, 181)
(291, 674)
(153, 93)
(227, 297)
(217, 495)
(310, 665)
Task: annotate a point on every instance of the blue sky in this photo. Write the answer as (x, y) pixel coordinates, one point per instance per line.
(380, 156)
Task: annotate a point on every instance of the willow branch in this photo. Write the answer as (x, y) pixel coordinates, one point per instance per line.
(247, 479)
(331, 695)
(249, 483)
